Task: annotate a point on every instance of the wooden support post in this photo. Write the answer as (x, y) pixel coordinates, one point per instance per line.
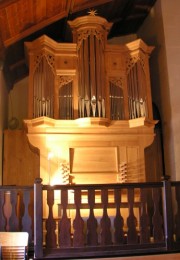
(168, 214)
(38, 224)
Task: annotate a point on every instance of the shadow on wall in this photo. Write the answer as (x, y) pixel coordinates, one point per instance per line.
(154, 154)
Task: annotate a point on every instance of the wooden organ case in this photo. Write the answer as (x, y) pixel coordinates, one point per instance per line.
(90, 107)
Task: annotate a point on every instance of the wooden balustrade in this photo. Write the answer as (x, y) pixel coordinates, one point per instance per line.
(104, 220)
(94, 220)
(16, 209)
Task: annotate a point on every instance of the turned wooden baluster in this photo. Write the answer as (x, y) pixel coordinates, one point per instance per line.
(7, 209)
(50, 222)
(118, 220)
(132, 237)
(106, 238)
(78, 223)
(26, 219)
(2, 218)
(157, 218)
(177, 216)
(144, 219)
(13, 220)
(64, 223)
(92, 236)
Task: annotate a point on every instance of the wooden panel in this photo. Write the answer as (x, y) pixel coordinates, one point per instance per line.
(19, 15)
(54, 7)
(114, 62)
(122, 154)
(154, 159)
(65, 63)
(130, 156)
(93, 159)
(21, 163)
(40, 10)
(23, 17)
(94, 178)
(133, 169)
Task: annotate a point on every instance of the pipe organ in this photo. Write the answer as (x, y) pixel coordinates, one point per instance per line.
(91, 100)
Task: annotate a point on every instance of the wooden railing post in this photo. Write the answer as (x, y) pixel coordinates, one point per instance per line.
(2, 218)
(27, 219)
(38, 216)
(168, 214)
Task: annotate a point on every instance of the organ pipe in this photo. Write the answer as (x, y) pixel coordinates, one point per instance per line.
(137, 91)
(43, 84)
(66, 101)
(96, 67)
(91, 96)
(116, 102)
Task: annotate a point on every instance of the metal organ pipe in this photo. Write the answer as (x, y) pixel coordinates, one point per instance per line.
(116, 101)
(43, 83)
(66, 99)
(136, 91)
(91, 98)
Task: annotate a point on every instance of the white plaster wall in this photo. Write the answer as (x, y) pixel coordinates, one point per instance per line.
(123, 39)
(18, 102)
(171, 19)
(3, 115)
(162, 66)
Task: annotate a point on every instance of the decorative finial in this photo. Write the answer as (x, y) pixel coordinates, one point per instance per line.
(92, 12)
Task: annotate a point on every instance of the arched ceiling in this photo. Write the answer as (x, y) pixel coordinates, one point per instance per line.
(25, 20)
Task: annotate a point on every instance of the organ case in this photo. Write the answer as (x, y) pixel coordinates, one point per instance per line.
(93, 88)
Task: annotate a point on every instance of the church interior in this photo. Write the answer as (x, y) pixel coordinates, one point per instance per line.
(89, 96)
(84, 85)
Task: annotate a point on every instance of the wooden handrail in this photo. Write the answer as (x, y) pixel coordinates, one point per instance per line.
(100, 186)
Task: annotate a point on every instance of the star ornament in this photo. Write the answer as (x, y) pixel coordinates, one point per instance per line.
(92, 12)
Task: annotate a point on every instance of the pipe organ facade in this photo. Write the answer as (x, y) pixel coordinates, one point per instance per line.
(93, 101)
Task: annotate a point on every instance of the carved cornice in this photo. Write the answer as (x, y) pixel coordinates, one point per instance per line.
(84, 34)
(132, 60)
(118, 81)
(63, 80)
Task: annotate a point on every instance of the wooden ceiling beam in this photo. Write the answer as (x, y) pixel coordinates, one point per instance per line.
(17, 64)
(33, 29)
